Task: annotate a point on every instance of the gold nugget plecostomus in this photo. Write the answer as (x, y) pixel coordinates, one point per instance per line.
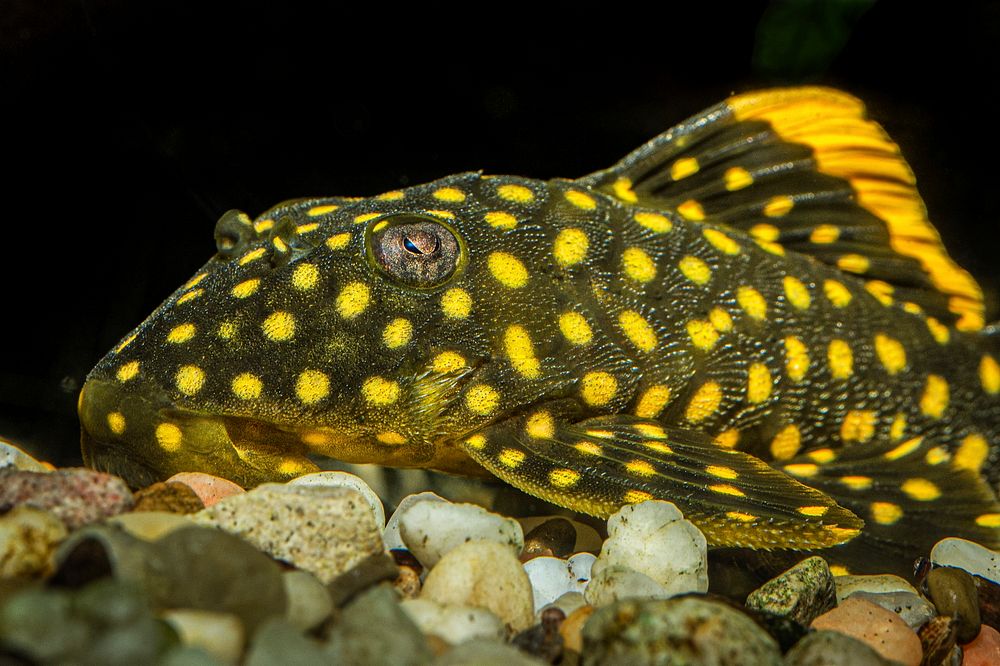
(750, 316)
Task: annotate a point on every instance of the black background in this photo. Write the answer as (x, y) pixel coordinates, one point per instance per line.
(129, 127)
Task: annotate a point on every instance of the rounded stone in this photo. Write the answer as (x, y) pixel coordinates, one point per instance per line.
(432, 529)
(390, 535)
(13, 456)
(482, 652)
(571, 628)
(617, 583)
(567, 603)
(587, 538)
(454, 624)
(984, 650)
(76, 496)
(801, 593)
(322, 529)
(219, 634)
(309, 602)
(953, 593)
(683, 630)
(913, 608)
(484, 574)
(832, 648)
(968, 555)
(168, 497)
(552, 577)
(28, 539)
(875, 584)
(346, 480)
(553, 538)
(210, 489)
(882, 630)
(151, 525)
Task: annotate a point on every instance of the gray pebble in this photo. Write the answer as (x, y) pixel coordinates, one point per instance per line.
(801, 593)
(374, 630)
(278, 642)
(832, 648)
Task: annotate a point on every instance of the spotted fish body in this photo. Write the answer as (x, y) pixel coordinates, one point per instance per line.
(749, 316)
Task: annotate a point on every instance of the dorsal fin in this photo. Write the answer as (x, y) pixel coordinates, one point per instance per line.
(803, 169)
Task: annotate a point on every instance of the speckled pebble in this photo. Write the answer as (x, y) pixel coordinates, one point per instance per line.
(321, 529)
(390, 535)
(882, 630)
(801, 593)
(219, 634)
(832, 648)
(617, 583)
(552, 577)
(953, 593)
(13, 456)
(984, 650)
(876, 584)
(432, 529)
(913, 608)
(653, 538)
(76, 496)
(968, 555)
(210, 489)
(686, 630)
(343, 479)
(454, 624)
(28, 539)
(151, 525)
(484, 574)
(168, 497)
(309, 603)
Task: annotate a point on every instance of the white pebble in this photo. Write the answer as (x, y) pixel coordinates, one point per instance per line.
(349, 481)
(390, 535)
(875, 584)
(653, 538)
(454, 624)
(614, 583)
(553, 577)
(431, 529)
(969, 555)
(12, 455)
(567, 603)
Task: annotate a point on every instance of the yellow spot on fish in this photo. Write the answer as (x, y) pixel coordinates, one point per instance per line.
(380, 391)
(598, 388)
(972, 453)
(640, 468)
(802, 470)
(482, 399)
(778, 206)
(691, 210)
(195, 280)
(650, 430)
(939, 331)
(912, 308)
(838, 295)
(904, 449)
(773, 248)
(449, 194)
(857, 482)
(898, 427)
(353, 299)
(858, 425)
(721, 472)
(796, 292)
(540, 425)
(520, 351)
(365, 217)
(391, 437)
(853, 263)
(840, 358)
(758, 383)
(890, 352)
(128, 371)
(448, 361)
(720, 320)
(394, 195)
(501, 219)
(305, 276)
(312, 386)
(508, 270)
(279, 244)
(737, 178)
(886, 513)
(726, 489)
(814, 511)
(252, 255)
(636, 496)
(796, 358)
(721, 241)
(824, 234)
(189, 379)
(279, 326)
(921, 490)
(511, 458)
(623, 190)
(563, 478)
(695, 269)
(934, 400)
(684, 167)
(653, 221)
(822, 456)
(988, 520)
(169, 437)
(702, 333)
(704, 402)
(227, 330)
(765, 232)
(397, 333)
(456, 303)
(728, 439)
(882, 291)
(575, 328)
(580, 200)
(989, 374)
(937, 455)
(190, 296)
(247, 386)
(246, 288)
(638, 330)
(306, 228)
(476, 442)
(316, 211)
(652, 402)
(752, 302)
(638, 265)
(446, 214)
(516, 193)
(260, 226)
(601, 434)
(338, 241)
(589, 448)
(570, 247)
(740, 516)
(786, 443)
(116, 421)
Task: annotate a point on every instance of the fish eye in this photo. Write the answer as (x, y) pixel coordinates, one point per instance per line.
(416, 251)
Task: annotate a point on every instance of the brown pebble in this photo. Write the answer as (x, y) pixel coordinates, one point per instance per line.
(571, 628)
(553, 538)
(953, 593)
(373, 569)
(937, 637)
(543, 640)
(881, 629)
(407, 583)
(404, 558)
(170, 497)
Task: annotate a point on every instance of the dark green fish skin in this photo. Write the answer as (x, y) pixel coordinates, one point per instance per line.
(733, 318)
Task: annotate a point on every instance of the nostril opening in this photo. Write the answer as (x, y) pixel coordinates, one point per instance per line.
(233, 232)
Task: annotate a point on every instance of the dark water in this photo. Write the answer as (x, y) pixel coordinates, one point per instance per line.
(130, 127)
